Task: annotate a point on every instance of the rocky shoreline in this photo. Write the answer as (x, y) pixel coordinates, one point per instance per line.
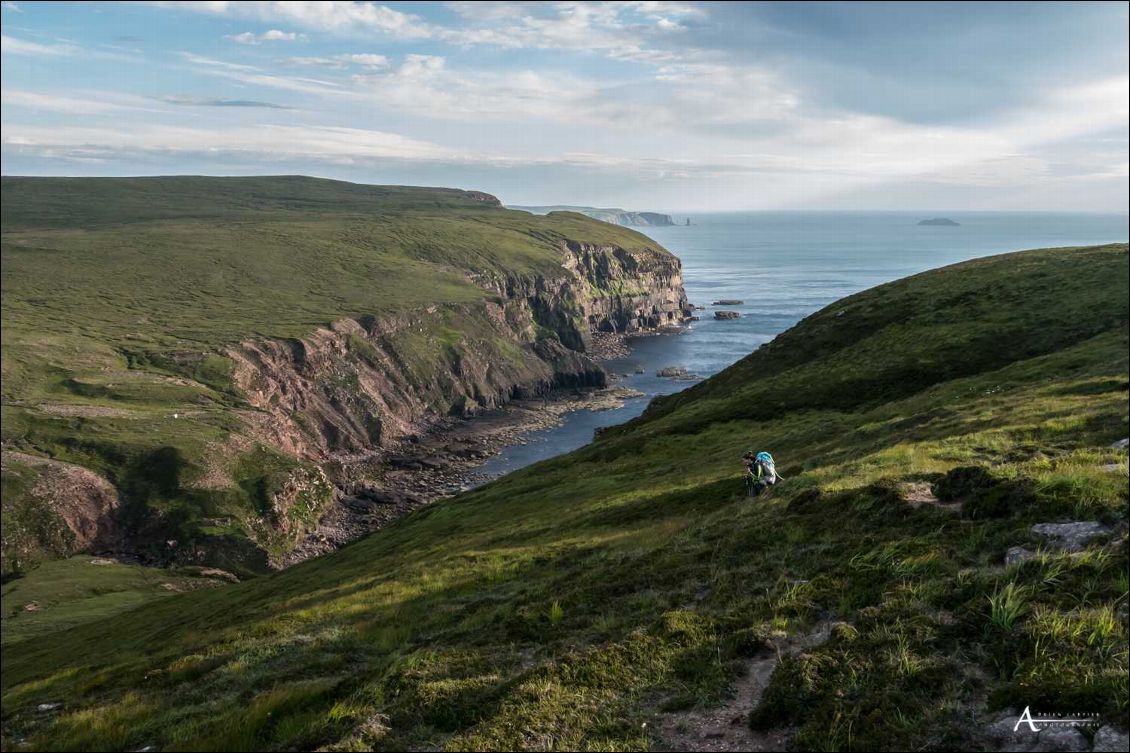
(442, 462)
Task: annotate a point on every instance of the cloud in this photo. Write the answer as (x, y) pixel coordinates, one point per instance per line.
(250, 74)
(56, 49)
(771, 94)
(329, 16)
(12, 46)
(55, 103)
(425, 85)
(328, 145)
(83, 103)
(9, 5)
(217, 102)
(619, 30)
(273, 35)
(267, 142)
(342, 61)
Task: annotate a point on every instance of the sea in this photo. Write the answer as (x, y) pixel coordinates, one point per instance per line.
(784, 266)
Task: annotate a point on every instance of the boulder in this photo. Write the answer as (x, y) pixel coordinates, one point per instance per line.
(1110, 738)
(1062, 738)
(1017, 554)
(380, 496)
(1070, 537)
(727, 315)
(1003, 732)
(1121, 444)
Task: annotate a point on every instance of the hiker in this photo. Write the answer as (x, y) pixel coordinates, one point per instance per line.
(761, 473)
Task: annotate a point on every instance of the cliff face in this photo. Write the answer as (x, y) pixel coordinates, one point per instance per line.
(363, 384)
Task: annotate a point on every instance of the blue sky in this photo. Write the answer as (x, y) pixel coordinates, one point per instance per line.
(645, 105)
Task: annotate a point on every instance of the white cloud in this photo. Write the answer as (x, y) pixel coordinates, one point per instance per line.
(369, 60)
(267, 142)
(9, 5)
(424, 85)
(56, 49)
(331, 145)
(55, 103)
(250, 74)
(619, 30)
(89, 102)
(273, 35)
(344, 60)
(12, 46)
(329, 16)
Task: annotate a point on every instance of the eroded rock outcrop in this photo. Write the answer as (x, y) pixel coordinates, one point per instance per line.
(55, 510)
(362, 384)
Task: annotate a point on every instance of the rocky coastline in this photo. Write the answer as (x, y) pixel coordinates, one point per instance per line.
(390, 436)
(440, 463)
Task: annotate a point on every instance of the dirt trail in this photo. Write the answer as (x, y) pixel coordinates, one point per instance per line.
(726, 727)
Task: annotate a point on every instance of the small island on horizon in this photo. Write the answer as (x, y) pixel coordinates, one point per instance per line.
(943, 221)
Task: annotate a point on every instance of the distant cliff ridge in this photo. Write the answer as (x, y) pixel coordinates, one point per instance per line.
(614, 216)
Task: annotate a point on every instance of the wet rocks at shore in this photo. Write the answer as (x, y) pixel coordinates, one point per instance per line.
(727, 315)
(678, 373)
(728, 302)
(376, 490)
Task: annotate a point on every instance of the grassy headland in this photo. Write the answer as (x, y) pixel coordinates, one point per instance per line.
(565, 605)
(122, 297)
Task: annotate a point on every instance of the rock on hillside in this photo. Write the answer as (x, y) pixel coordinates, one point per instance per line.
(53, 509)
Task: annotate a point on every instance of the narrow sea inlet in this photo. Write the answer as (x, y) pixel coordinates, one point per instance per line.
(783, 266)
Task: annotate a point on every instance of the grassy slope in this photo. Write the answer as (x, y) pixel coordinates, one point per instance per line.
(118, 293)
(562, 605)
(83, 589)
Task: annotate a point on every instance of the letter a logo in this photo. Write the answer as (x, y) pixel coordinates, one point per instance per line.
(1025, 718)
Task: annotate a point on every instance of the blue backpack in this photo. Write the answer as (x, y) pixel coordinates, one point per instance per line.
(769, 470)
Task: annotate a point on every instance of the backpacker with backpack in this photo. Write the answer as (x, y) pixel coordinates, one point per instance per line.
(762, 472)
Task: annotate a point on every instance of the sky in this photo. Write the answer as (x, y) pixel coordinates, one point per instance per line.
(680, 106)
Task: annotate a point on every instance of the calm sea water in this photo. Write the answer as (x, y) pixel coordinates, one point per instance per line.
(784, 266)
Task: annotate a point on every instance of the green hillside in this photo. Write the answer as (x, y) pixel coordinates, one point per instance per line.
(148, 263)
(120, 295)
(924, 427)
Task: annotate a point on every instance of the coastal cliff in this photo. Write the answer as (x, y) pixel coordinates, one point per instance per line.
(266, 388)
(364, 383)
